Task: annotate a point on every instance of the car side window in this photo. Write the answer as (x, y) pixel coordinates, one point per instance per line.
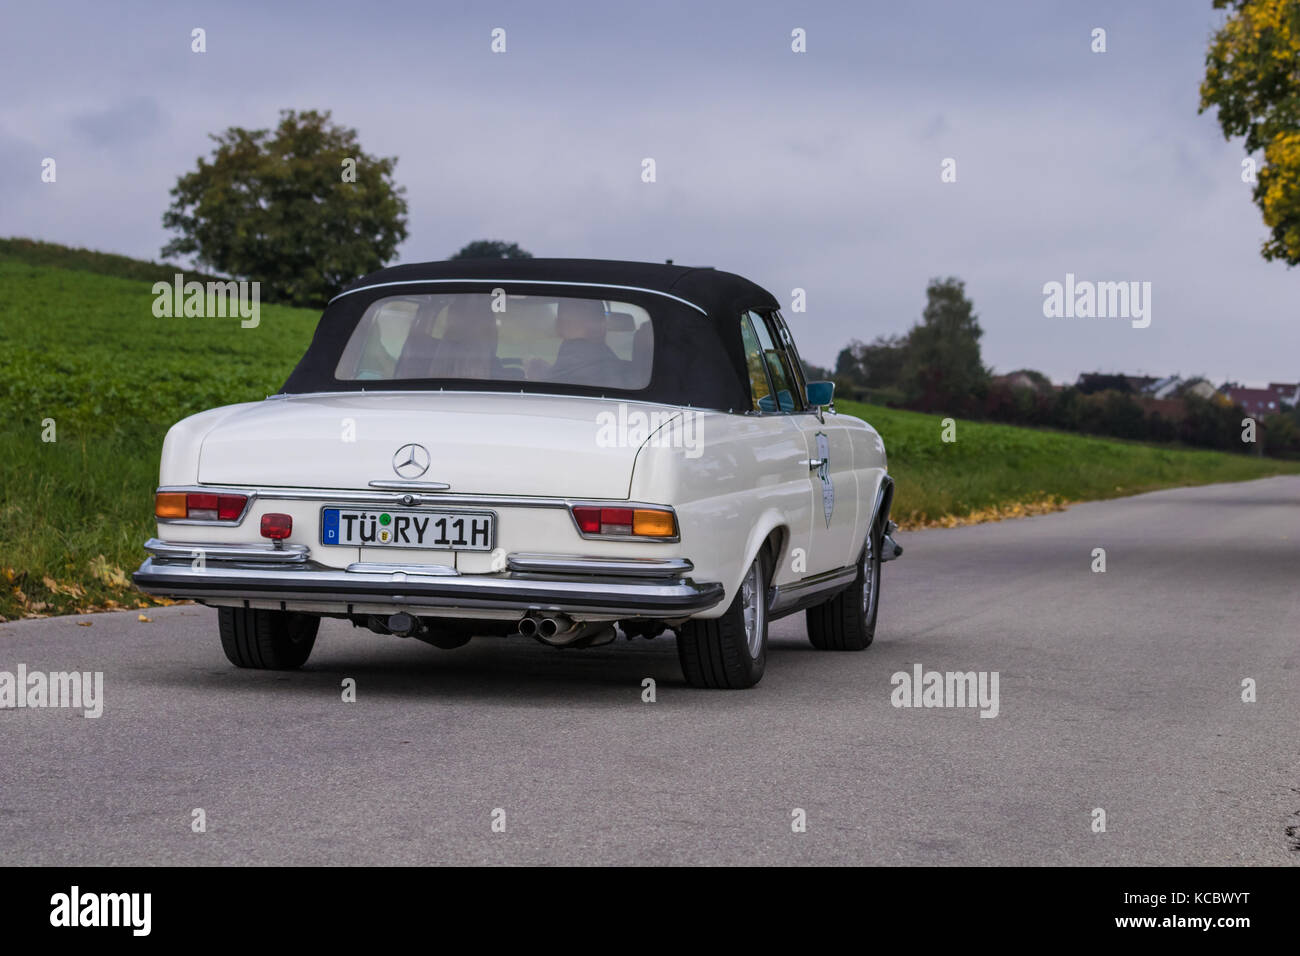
(759, 387)
(778, 369)
(792, 353)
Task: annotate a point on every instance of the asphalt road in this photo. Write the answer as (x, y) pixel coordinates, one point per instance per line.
(1119, 690)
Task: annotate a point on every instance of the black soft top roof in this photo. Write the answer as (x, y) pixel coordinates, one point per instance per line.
(698, 357)
(713, 291)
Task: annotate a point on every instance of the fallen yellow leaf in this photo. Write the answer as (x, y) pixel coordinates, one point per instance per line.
(141, 617)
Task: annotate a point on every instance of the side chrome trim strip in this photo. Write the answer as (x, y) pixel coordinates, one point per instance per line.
(411, 498)
(346, 495)
(788, 595)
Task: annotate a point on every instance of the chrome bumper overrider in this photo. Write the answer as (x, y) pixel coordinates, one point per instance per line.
(571, 583)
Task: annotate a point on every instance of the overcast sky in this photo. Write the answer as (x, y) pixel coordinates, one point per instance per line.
(818, 170)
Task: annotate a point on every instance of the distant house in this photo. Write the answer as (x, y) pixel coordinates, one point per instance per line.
(1146, 386)
(1287, 393)
(1140, 384)
(1256, 402)
(1173, 388)
(1203, 389)
(1165, 387)
(1020, 380)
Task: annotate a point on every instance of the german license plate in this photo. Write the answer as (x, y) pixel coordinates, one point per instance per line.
(428, 530)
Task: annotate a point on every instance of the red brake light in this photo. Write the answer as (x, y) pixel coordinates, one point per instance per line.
(588, 520)
(276, 526)
(230, 507)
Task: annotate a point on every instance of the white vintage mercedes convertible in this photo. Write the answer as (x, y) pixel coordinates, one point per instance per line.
(561, 449)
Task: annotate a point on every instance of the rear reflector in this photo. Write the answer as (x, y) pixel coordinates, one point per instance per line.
(642, 522)
(276, 526)
(199, 506)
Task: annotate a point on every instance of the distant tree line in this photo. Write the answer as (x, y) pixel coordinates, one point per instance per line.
(937, 367)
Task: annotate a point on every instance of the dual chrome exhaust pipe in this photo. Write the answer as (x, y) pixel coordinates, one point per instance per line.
(545, 628)
(560, 630)
(889, 548)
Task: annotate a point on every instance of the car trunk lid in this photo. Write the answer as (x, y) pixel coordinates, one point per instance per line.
(483, 443)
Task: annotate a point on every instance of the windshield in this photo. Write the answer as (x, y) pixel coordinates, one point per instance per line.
(497, 337)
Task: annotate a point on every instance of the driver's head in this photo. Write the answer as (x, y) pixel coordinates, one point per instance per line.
(470, 319)
(581, 319)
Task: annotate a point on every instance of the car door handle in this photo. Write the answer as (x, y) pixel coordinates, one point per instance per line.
(814, 462)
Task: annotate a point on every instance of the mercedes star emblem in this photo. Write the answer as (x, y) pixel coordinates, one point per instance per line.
(411, 461)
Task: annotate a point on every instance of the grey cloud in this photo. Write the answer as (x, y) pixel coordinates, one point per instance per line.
(132, 120)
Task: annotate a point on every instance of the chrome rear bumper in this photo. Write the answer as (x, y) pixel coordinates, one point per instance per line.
(572, 584)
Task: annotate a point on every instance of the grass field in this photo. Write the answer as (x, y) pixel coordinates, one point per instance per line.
(84, 349)
(999, 471)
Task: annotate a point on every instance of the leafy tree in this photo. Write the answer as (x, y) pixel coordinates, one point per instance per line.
(942, 370)
(492, 249)
(1280, 436)
(882, 360)
(1090, 383)
(874, 365)
(848, 364)
(815, 373)
(1211, 424)
(301, 209)
(1252, 74)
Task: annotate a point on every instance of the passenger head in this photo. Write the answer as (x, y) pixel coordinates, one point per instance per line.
(469, 343)
(581, 319)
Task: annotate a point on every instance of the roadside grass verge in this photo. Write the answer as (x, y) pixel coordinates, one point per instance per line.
(997, 471)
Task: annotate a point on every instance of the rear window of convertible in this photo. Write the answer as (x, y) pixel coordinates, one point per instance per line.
(483, 337)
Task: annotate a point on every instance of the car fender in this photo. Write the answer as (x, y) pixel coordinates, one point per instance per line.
(769, 523)
(179, 462)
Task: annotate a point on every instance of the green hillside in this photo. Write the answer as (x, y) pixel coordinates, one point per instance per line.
(85, 349)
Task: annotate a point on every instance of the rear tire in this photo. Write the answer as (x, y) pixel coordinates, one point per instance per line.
(266, 640)
(730, 652)
(847, 622)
